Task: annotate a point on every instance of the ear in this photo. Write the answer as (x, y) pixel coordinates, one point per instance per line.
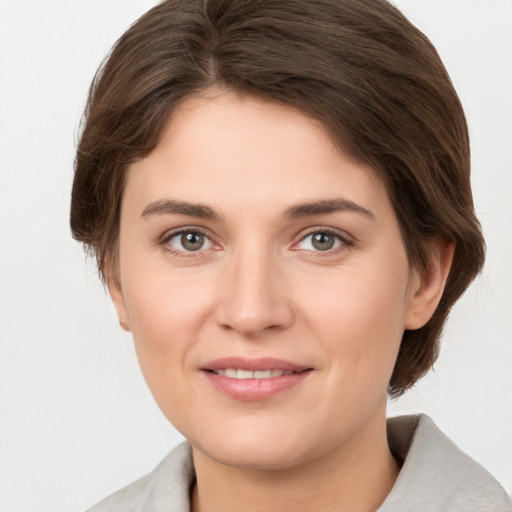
(427, 289)
(111, 274)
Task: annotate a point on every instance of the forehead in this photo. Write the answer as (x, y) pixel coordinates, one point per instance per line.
(221, 147)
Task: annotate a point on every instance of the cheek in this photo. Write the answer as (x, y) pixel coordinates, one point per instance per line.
(361, 326)
(359, 301)
(166, 311)
(359, 313)
(164, 324)
(161, 299)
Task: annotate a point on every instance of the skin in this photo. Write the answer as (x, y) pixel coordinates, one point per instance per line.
(259, 287)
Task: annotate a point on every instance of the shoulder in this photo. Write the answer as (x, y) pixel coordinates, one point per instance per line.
(165, 488)
(436, 475)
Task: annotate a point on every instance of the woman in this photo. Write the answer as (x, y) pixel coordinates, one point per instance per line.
(278, 197)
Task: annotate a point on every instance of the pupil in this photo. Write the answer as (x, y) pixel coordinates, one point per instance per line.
(192, 241)
(323, 241)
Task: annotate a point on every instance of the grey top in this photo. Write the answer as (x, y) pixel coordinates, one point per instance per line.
(435, 477)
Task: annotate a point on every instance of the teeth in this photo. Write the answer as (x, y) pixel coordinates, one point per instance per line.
(236, 373)
(244, 374)
(263, 374)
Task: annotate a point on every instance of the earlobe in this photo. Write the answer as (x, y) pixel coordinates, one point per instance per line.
(124, 325)
(427, 289)
(116, 294)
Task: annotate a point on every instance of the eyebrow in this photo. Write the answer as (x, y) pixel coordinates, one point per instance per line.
(173, 207)
(324, 207)
(297, 211)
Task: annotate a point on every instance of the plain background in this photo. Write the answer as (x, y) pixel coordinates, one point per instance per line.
(77, 421)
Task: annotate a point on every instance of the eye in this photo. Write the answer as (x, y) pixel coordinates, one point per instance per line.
(189, 241)
(322, 241)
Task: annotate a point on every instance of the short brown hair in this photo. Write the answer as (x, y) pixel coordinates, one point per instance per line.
(358, 66)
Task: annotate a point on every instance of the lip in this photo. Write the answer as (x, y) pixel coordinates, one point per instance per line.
(259, 364)
(254, 389)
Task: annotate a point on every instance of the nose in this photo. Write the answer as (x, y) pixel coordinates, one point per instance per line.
(253, 297)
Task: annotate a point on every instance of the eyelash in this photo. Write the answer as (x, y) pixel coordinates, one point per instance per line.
(346, 241)
(164, 242)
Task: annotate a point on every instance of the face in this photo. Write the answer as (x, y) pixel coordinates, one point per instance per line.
(265, 280)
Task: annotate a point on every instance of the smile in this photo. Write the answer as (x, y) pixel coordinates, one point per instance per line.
(254, 379)
(237, 373)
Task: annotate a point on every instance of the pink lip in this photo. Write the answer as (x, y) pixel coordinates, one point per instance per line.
(263, 363)
(254, 389)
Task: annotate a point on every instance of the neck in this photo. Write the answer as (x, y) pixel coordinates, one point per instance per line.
(355, 477)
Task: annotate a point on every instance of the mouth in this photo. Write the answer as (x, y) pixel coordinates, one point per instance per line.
(240, 374)
(254, 379)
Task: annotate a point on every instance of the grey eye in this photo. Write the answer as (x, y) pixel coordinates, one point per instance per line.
(189, 241)
(323, 241)
(192, 241)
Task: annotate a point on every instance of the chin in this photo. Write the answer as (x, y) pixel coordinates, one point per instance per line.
(254, 457)
(258, 448)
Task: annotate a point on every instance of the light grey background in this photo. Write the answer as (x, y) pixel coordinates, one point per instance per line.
(77, 421)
